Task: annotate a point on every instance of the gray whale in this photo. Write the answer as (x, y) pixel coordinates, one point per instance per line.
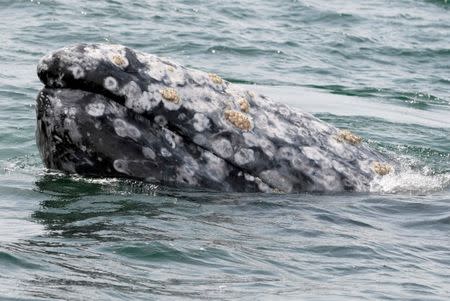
(110, 111)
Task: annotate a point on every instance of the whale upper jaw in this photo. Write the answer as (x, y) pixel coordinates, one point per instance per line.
(109, 111)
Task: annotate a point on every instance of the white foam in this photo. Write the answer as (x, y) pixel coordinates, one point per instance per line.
(411, 181)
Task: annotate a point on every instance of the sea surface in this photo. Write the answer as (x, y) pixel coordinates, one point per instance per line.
(380, 68)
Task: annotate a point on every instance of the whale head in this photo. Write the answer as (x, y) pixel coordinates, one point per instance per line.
(110, 111)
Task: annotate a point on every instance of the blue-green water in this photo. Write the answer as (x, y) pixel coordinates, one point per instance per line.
(380, 68)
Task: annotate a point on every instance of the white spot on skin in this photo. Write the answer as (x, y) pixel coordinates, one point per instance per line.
(168, 135)
(249, 178)
(222, 148)
(121, 166)
(123, 129)
(118, 59)
(95, 109)
(244, 156)
(200, 122)
(186, 173)
(284, 110)
(215, 168)
(267, 147)
(110, 84)
(200, 140)
(133, 132)
(263, 187)
(165, 152)
(253, 141)
(148, 153)
(77, 71)
(250, 139)
(261, 121)
(42, 67)
(134, 97)
(160, 120)
(120, 127)
(313, 153)
(276, 180)
(287, 153)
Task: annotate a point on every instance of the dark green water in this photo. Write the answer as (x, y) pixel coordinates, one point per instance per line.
(380, 68)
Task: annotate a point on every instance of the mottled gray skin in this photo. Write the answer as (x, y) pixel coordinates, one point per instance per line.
(106, 111)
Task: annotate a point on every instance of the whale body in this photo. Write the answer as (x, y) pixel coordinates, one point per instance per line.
(111, 111)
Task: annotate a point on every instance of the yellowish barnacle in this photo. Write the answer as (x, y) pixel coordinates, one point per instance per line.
(215, 78)
(244, 105)
(346, 135)
(238, 119)
(118, 60)
(381, 168)
(171, 69)
(170, 94)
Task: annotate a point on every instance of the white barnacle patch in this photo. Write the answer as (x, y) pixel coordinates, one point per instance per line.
(222, 147)
(239, 119)
(165, 152)
(172, 98)
(215, 78)
(382, 168)
(118, 59)
(77, 71)
(148, 153)
(276, 180)
(200, 122)
(110, 83)
(95, 109)
(244, 156)
(121, 166)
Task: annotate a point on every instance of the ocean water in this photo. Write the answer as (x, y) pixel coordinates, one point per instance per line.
(380, 68)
